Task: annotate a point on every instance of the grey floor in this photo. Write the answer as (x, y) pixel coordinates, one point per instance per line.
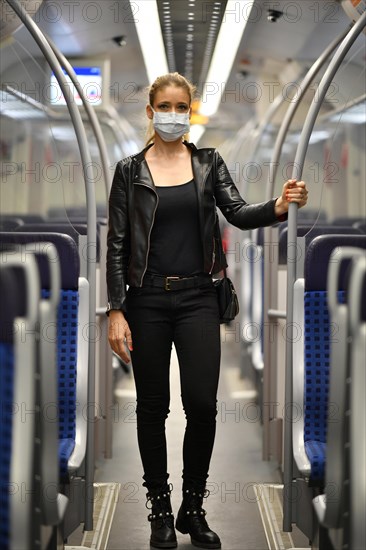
(236, 464)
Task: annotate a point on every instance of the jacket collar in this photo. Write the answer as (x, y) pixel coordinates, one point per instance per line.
(201, 161)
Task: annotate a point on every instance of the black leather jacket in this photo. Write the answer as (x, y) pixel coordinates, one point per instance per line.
(132, 205)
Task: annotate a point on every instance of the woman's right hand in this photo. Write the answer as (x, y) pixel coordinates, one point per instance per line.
(118, 332)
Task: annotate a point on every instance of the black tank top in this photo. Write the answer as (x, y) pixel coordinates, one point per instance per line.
(175, 241)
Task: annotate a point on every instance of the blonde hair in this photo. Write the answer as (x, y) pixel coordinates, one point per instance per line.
(170, 79)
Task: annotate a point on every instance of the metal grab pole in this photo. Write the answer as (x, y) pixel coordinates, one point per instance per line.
(91, 239)
(291, 111)
(270, 266)
(291, 266)
(93, 119)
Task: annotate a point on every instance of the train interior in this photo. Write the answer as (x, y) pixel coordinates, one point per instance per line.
(289, 463)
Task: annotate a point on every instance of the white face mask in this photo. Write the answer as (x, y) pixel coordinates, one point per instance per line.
(171, 126)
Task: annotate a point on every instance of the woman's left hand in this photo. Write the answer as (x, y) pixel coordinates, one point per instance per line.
(292, 191)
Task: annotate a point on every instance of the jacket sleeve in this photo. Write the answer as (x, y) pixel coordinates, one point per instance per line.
(233, 206)
(118, 240)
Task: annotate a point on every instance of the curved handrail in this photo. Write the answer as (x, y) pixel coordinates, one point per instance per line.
(291, 111)
(291, 243)
(51, 58)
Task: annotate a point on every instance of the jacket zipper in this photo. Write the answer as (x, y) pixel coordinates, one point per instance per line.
(148, 240)
(213, 257)
(213, 238)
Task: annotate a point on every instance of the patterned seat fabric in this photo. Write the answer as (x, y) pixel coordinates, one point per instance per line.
(6, 411)
(318, 335)
(67, 335)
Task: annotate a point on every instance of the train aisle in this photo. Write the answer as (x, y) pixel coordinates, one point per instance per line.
(244, 490)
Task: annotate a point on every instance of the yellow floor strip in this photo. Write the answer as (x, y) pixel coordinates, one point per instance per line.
(270, 509)
(105, 501)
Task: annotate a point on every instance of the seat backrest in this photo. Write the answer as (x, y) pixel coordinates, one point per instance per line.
(26, 218)
(73, 229)
(67, 322)
(19, 298)
(318, 256)
(361, 225)
(76, 212)
(310, 232)
(67, 250)
(357, 416)
(347, 220)
(311, 351)
(318, 330)
(10, 224)
(11, 307)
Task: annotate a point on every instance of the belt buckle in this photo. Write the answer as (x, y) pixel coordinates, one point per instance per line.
(167, 282)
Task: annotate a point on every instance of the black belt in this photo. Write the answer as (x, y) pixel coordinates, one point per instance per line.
(177, 283)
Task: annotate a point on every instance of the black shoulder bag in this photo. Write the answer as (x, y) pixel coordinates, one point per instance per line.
(226, 295)
(227, 298)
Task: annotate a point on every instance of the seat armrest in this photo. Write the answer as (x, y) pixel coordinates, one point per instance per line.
(298, 425)
(82, 371)
(246, 292)
(257, 309)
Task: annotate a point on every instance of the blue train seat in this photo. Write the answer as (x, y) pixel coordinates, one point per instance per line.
(332, 507)
(311, 352)
(76, 212)
(310, 232)
(255, 271)
(8, 312)
(361, 225)
(19, 296)
(348, 220)
(26, 218)
(72, 345)
(357, 431)
(254, 275)
(10, 224)
(77, 231)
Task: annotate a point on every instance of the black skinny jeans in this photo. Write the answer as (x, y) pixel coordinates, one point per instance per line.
(189, 318)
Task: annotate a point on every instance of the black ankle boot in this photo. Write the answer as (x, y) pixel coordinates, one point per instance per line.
(191, 519)
(161, 518)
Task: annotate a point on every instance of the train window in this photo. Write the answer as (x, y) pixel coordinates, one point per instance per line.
(41, 167)
(334, 166)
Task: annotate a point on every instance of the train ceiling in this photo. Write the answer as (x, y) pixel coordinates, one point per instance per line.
(85, 28)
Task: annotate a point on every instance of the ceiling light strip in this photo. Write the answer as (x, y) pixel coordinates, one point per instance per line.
(211, 37)
(231, 31)
(168, 35)
(151, 40)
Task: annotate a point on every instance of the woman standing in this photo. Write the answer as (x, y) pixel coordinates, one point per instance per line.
(163, 243)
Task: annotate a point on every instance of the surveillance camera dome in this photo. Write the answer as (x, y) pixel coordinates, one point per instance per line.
(274, 15)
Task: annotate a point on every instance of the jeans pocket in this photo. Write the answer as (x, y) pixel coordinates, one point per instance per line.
(134, 291)
(207, 289)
